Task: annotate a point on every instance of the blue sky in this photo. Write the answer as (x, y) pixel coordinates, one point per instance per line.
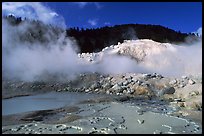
(179, 16)
(183, 16)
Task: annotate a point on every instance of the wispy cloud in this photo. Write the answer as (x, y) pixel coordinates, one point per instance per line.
(81, 4)
(33, 10)
(98, 5)
(107, 23)
(93, 22)
(84, 4)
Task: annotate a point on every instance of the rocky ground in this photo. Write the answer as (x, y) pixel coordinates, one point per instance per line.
(184, 93)
(180, 90)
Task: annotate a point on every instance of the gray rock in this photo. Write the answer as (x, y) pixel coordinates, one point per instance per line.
(21, 126)
(123, 87)
(87, 90)
(120, 83)
(129, 80)
(159, 76)
(116, 87)
(59, 90)
(129, 77)
(143, 84)
(139, 82)
(101, 81)
(172, 82)
(181, 85)
(95, 85)
(167, 90)
(119, 94)
(178, 100)
(134, 80)
(194, 93)
(140, 121)
(130, 91)
(191, 82)
(184, 77)
(139, 112)
(58, 126)
(64, 89)
(124, 91)
(109, 78)
(157, 132)
(154, 75)
(106, 85)
(68, 88)
(96, 90)
(146, 76)
(125, 83)
(101, 76)
(15, 129)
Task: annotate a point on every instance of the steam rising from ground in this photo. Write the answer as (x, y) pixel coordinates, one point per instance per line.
(147, 56)
(32, 61)
(177, 60)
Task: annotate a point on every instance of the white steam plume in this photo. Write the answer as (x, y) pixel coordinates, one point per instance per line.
(28, 61)
(176, 61)
(32, 61)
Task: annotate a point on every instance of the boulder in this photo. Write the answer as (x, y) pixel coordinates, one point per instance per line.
(181, 85)
(141, 90)
(125, 83)
(184, 77)
(191, 82)
(147, 76)
(106, 85)
(167, 90)
(172, 82)
(116, 87)
(95, 85)
(87, 90)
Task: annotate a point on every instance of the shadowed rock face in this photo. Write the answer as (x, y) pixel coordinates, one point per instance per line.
(167, 90)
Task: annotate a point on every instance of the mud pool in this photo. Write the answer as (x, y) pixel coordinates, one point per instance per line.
(42, 101)
(130, 117)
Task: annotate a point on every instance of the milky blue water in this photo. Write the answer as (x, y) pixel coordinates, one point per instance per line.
(43, 101)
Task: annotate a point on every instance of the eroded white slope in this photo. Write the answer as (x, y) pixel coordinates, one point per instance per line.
(151, 56)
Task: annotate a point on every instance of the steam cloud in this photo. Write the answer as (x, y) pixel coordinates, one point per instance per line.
(176, 61)
(29, 62)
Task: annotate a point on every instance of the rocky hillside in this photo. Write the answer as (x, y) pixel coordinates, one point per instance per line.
(149, 56)
(135, 49)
